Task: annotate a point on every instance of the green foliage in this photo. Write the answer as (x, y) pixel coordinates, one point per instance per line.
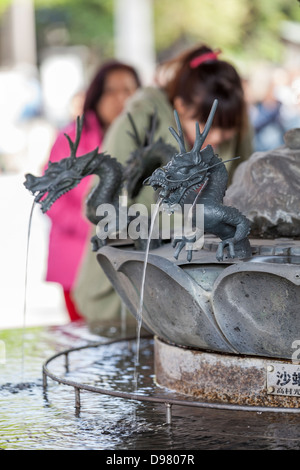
(4, 5)
(214, 22)
(88, 22)
(261, 36)
(92, 24)
(249, 28)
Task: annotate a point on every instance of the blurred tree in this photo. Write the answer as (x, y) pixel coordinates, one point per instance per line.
(213, 21)
(245, 28)
(250, 28)
(261, 30)
(3, 5)
(87, 23)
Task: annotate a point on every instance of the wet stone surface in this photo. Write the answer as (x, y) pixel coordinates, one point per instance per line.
(31, 420)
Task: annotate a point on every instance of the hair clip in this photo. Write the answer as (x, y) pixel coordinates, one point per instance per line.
(194, 63)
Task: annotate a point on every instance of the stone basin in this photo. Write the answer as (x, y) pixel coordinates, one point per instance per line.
(245, 307)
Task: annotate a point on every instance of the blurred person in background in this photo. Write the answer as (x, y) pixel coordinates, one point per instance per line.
(77, 104)
(104, 100)
(189, 83)
(273, 106)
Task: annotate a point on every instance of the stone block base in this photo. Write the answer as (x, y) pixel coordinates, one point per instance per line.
(225, 378)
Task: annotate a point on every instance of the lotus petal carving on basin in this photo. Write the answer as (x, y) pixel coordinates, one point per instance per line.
(247, 307)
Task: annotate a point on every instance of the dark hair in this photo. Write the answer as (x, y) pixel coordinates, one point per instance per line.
(201, 85)
(96, 87)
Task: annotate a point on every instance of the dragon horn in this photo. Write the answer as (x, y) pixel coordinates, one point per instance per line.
(74, 145)
(179, 137)
(198, 143)
(200, 138)
(92, 156)
(152, 128)
(135, 134)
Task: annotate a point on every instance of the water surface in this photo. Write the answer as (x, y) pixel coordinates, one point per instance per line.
(31, 420)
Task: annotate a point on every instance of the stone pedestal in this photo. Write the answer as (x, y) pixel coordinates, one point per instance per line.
(225, 378)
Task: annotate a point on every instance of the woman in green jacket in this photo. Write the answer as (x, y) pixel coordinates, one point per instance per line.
(188, 83)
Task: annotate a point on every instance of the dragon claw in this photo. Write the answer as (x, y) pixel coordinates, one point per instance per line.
(222, 245)
(180, 243)
(97, 243)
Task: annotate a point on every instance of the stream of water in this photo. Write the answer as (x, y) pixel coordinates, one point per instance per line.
(25, 286)
(140, 308)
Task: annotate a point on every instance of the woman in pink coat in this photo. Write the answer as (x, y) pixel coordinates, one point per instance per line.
(104, 100)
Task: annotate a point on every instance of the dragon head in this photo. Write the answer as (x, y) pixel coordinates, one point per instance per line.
(59, 178)
(180, 178)
(62, 176)
(187, 173)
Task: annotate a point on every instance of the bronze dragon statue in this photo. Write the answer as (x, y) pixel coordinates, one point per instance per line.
(67, 173)
(200, 177)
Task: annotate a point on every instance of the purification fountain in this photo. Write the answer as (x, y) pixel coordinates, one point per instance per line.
(225, 319)
(228, 329)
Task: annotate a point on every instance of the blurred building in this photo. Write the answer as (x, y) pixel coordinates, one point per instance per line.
(17, 34)
(134, 35)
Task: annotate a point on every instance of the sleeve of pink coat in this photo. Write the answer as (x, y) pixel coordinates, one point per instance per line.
(67, 213)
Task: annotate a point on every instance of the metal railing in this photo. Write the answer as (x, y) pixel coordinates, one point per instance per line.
(168, 402)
